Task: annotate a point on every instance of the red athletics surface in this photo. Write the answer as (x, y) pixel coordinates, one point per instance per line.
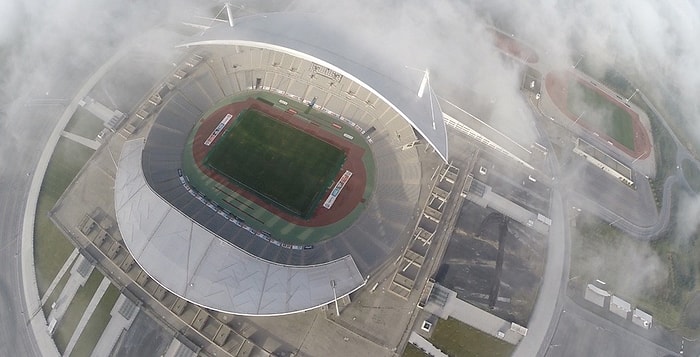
(514, 48)
(346, 201)
(557, 84)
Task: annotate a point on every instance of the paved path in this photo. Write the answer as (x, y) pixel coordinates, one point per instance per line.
(74, 283)
(86, 315)
(510, 209)
(92, 144)
(548, 305)
(473, 316)
(425, 345)
(117, 324)
(29, 284)
(59, 276)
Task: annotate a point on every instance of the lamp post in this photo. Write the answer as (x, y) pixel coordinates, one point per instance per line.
(579, 117)
(335, 299)
(615, 221)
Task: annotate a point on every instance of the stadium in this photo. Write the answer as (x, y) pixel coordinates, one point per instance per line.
(279, 171)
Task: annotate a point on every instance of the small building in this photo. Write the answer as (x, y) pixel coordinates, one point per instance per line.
(544, 219)
(596, 295)
(620, 307)
(641, 318)
(520, 330)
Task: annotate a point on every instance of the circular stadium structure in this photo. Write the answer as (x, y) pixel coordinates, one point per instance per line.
(221, 254)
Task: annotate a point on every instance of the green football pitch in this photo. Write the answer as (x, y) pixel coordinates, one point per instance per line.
(597, 110)
(279, 163)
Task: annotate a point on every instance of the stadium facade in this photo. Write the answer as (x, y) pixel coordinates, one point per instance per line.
(318, 40)
(177, 237)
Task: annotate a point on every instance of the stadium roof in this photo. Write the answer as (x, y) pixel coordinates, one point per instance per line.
(198, 266)
(317, 39)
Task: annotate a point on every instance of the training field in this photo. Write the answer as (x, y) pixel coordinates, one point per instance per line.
(598, 111)
(277, 162)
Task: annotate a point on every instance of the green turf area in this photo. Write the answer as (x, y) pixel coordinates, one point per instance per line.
(458, 339)
(67, 325)
(51, 248)
(85, 124)
(692, 174)
(597, 110)
(277, 162)
(96, 324)
(55, 294)
(257, 216)
(659, 277)
(413, 351)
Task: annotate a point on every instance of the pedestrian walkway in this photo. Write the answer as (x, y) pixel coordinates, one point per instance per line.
(86, 315)
(92, 144)
(490, 199)
(178, 349)
(122, 315)
(446, 304)
(425, 345)
(29, 285)
(79, 273)
(59, 276)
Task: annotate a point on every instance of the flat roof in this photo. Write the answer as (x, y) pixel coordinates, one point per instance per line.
(598, 290)
(619, 303)
(317, 39)
(642, 315)
(198, 266)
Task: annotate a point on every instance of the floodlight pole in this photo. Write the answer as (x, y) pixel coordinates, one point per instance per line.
(229, 13)
(577, 62)
(633, 94)
(579, 117)
(335, 299)
(423, 83)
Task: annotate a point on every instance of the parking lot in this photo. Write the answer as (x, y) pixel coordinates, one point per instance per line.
(493, 261)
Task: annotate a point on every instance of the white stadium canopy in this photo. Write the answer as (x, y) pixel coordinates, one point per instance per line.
(317, 39)
(200, 267)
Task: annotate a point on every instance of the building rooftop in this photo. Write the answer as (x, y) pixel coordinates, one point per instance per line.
(198, 266)
(620, 304)
(641, 318)
(598, 290)
(395, 80)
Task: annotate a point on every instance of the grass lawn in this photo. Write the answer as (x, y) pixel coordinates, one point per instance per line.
(279, 163)
(56, 293)
(692, 174)
(413, 351)
(96, 324)
(85, 124)
(659, 277)
(263, 219)
(51, 248)
(598, 111)
(458, 339)
(67, 325)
